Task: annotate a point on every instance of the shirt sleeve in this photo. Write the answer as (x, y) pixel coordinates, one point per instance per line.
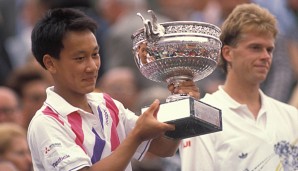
(53, 148)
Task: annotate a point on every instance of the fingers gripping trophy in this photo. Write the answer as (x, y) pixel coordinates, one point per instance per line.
(173, 52)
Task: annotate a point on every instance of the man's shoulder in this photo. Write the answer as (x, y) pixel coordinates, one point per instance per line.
(281, 105)
(44, 115)
(104, 98)
(214, 98)
(100, 96)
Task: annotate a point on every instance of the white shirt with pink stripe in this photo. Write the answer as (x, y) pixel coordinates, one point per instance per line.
(64, 137)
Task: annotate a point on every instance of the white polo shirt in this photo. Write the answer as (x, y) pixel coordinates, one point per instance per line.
(267, 143)
(63, 137)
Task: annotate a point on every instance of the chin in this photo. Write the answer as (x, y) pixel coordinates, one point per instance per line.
(88, 89)
(262, 79)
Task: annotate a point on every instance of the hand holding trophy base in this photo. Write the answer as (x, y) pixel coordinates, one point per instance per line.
(190, 117)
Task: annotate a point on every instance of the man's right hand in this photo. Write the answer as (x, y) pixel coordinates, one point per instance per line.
(148, 127)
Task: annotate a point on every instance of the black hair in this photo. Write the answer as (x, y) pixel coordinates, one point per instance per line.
(47, 35)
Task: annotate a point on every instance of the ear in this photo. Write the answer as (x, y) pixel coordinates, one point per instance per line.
(49, 62)
(226, 53)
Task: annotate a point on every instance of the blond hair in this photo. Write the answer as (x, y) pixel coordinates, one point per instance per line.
(246, 18)
(8, 131)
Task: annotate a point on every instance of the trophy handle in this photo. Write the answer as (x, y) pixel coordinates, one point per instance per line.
(153, 30)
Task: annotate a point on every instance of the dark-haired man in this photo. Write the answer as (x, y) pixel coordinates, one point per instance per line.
(77, 129)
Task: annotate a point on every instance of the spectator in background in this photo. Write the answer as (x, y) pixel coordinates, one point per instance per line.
(14, 146)
(175, 10)
(292, 36)
(9, 106)
(19, 45)
(123, 22)
(280, 9)
(30, 83)
(205, 11)
(148, 94)
(121, 84)
(226, 7)
(7, 29)
(7, 166)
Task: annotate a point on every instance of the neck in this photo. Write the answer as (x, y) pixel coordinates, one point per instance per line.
(244, 93)
(75, 99)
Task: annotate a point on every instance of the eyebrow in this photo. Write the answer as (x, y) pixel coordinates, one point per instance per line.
(83, 51)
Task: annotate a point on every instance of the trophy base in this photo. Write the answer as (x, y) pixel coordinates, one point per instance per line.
(190, 117)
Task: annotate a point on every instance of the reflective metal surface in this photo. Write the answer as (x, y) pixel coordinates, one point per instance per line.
(179, 50)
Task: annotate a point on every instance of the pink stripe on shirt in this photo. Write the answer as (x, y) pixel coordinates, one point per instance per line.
(75, 122)
(114, 114)
(48, 111)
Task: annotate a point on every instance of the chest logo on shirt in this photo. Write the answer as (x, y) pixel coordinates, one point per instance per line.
(186, 144)
(106, 115)
(59, 160)
(50, 147)
(243, 155)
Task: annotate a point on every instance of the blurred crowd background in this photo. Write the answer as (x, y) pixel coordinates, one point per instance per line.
(23, 81)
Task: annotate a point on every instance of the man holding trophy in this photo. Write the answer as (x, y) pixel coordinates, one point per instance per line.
(76, 128)
(259, 133)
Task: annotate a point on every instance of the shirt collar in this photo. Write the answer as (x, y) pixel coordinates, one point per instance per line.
(230, 102)
(234, 104)
(60, 105)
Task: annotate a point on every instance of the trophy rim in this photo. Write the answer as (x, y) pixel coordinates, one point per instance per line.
(169, 23)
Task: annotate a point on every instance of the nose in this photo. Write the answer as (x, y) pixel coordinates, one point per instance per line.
(266, 54)
(93, 64)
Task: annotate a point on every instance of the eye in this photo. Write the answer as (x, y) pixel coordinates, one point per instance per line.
(95, 55)
(79, 58)
(256, 47)
(270, 50)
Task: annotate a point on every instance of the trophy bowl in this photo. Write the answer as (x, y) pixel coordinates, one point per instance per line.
(176, 51)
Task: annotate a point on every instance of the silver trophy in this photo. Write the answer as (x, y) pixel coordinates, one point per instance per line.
(173, 52)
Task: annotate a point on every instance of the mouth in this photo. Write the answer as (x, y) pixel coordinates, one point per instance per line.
(262, 69)
(90, 79)
(263, 65)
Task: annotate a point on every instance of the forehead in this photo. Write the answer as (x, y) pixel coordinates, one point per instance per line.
(79, 38)
(78, 42)
(257, 38)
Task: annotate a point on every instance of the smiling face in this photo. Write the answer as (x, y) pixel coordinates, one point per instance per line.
(250, 59)
(75, 72)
